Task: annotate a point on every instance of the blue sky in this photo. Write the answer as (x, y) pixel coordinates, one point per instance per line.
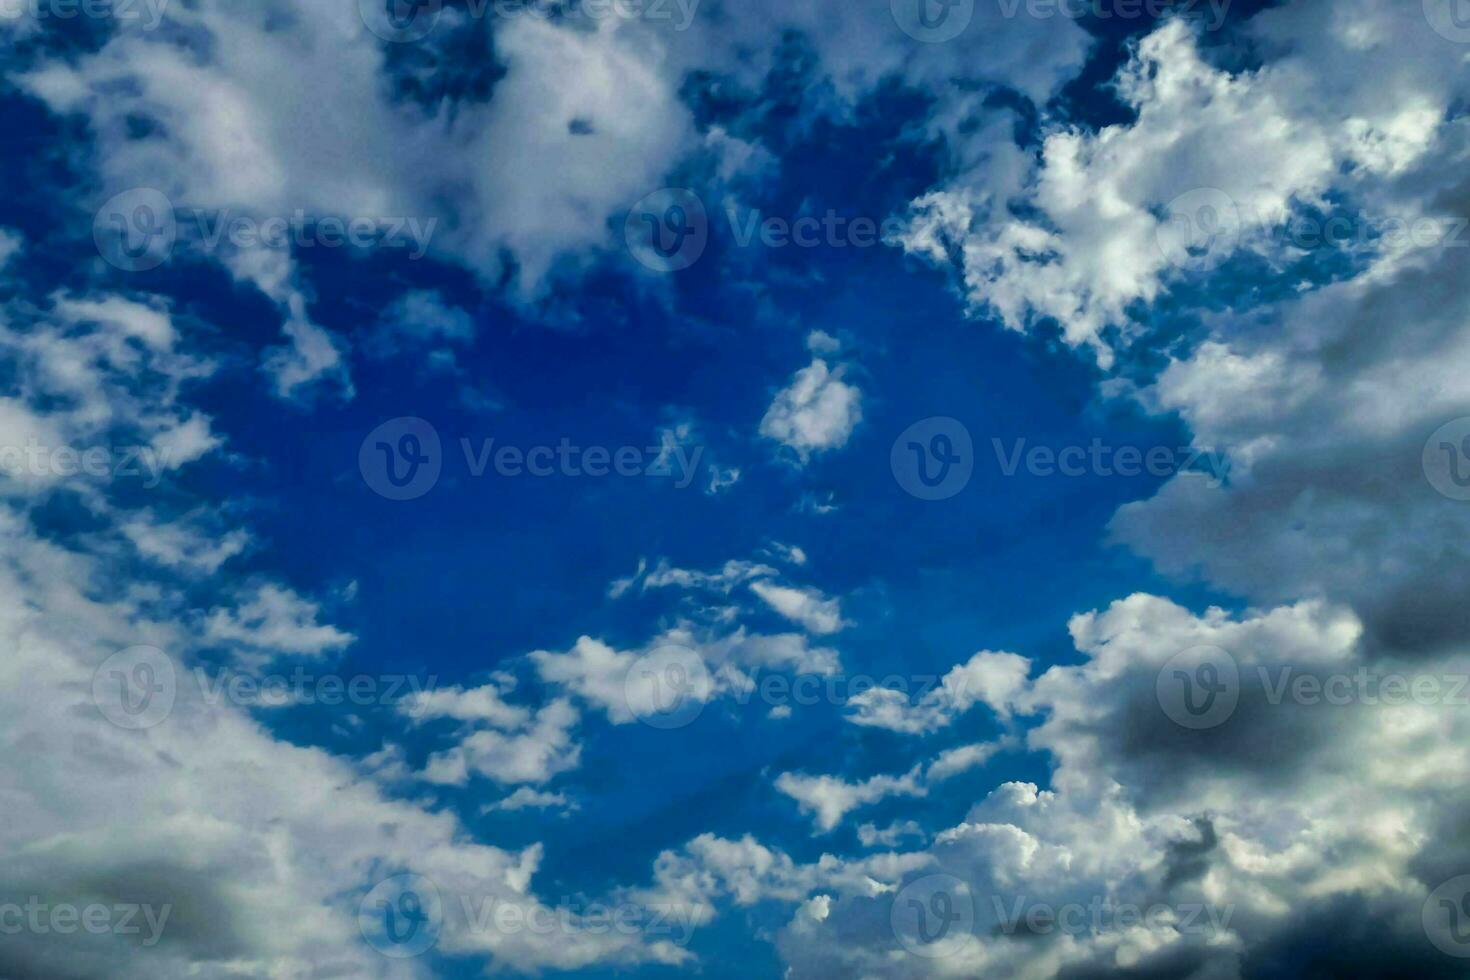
(1226, 240)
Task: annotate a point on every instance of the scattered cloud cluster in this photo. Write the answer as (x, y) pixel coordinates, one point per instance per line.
(1285, 822)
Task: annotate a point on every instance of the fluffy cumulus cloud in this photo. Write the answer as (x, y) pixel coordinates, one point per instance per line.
(807, 607)
(1242, 834)
(816, 412)
(189, 543)
(828, 798)
(534, 754)
(228, 137)
(511, 167)
(1166, 844)
(1215, 160)
(508, 743)
(989, 678)
(274, 619)
(1330, 432)
(677, 671)
(710, 871)
(1323, 401)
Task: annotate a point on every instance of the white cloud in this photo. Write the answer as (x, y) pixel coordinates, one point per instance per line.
(1251, 819)
(961, 758)
(872, 835)
(992, 678)
(830, 798)
(823, 344)
(724, 580)
(600, 675)
(273, 620)
(262, 849)
(1287, 815)
(1268, 140)
(807, 607)
(789, 553)
(815, 413)
(721, 480)
(709, 868)
(185, 441)
(479, 704)
(183, 543)
(509, 743)
(110, 374)
(527, 798)
(534, 753)
(352, 151)
(629, 685)
(11, 243)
